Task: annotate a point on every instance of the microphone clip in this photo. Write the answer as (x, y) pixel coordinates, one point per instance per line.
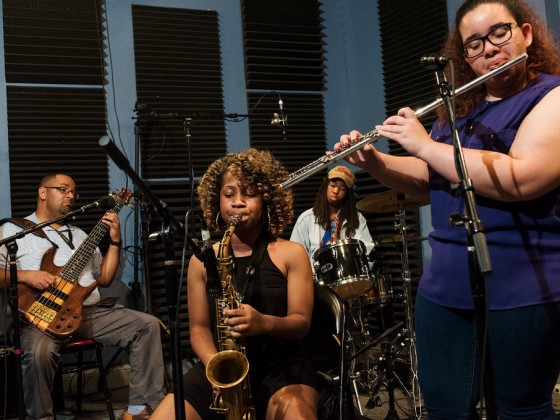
(434, 61)
(279, 120)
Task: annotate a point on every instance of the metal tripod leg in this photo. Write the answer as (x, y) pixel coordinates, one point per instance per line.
(357, 395)
(409, 317)
(387, 350)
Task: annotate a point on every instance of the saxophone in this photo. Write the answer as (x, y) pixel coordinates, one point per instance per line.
(227, 370)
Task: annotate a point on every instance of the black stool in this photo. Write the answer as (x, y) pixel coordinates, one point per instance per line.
(78, 347)
(327, 343)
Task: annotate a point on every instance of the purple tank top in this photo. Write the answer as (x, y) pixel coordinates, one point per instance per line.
(523, 237)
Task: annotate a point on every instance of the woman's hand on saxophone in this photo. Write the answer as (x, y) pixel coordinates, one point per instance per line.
(245, 321)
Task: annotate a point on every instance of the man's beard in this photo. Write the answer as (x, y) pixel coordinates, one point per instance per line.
(64, 209)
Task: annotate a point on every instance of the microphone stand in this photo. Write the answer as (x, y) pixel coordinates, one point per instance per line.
(18, 352)
(136, 293)
(187, 118)
(480, 266)
(170, 227)
(12, 247)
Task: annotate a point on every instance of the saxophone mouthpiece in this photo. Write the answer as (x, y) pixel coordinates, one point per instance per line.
(234, 221)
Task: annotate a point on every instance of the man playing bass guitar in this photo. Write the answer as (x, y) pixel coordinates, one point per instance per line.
(116, 326)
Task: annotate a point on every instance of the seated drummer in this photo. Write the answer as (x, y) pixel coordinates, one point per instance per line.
(333, 216)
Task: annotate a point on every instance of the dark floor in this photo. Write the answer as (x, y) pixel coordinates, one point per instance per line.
(376, 408)
(94, 408)
(369, 374)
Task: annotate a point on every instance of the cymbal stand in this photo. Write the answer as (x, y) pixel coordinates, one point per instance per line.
(400, 224)
(385, 376)
(387, 351)
(364, 342)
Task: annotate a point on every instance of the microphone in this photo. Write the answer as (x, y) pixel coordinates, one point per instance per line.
(434, 60)
(280, 118)
(106, 202)
(143, 108)
(206, 239)
(206, 254)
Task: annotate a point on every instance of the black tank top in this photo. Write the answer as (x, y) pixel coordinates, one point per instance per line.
(267, 292)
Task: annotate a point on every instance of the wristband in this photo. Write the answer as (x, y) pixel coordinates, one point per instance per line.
(116, 243)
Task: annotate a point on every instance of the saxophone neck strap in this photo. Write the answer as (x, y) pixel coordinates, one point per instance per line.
(250, 277)
(259, 249)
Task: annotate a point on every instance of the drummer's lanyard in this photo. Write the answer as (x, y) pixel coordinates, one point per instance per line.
(331, 234)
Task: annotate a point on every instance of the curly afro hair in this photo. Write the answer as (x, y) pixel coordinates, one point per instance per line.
(255, 169)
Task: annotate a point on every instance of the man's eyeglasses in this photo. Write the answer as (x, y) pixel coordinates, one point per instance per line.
(496, 36)
(66, 190)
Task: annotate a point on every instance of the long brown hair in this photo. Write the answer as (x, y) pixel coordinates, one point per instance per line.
(348, 211)
(544, 54)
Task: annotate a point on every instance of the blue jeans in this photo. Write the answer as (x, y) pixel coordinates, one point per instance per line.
(525, 352)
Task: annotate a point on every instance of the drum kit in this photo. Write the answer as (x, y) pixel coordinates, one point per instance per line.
(364, 283)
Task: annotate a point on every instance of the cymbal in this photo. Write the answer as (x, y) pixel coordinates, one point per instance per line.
(390, 201)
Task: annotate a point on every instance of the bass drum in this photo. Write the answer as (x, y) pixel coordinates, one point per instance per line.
(344, 267)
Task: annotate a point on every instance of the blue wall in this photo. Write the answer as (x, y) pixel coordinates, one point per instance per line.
(354, 86)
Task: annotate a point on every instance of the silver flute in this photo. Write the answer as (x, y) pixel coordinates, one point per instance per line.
(373, 136)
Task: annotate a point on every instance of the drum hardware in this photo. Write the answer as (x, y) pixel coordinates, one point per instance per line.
(400, 224)
(398, 238)
(374, 378)
(382, 290)
(369, 378)
(344, 267)
(386, 348)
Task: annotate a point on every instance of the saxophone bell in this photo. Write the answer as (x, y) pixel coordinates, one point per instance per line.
(227, 371)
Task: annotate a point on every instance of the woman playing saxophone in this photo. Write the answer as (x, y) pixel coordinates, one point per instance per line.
(275, 301)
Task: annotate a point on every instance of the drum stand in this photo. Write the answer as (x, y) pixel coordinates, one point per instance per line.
(383, 373)
(400, 224)
(386, 366)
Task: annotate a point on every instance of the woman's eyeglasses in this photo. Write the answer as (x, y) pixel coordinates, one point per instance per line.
(496, 36)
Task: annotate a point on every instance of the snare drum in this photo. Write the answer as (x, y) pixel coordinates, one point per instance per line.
(343, 266)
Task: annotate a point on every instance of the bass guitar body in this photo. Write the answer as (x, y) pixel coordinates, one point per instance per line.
(56, 311)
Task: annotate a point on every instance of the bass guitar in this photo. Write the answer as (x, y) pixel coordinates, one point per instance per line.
(57, 311)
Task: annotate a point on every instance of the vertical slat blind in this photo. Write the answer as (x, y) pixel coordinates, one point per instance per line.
(283, 45)
(304, 142)
(405, 37)
(55, 129)
(179, 78)
(284, 58)
(53, 41)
